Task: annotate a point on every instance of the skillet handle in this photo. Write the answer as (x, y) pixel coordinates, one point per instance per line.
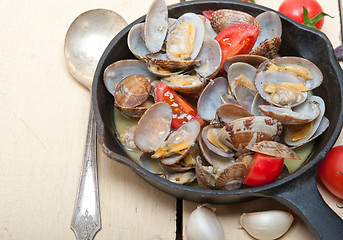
(303, 198)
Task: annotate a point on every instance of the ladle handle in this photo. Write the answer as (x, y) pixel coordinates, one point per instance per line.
(303, 198)
(86, 221)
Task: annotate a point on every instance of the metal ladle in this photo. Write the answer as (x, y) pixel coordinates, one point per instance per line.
(85, 41)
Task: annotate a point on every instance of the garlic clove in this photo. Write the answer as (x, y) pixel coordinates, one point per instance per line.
(203, 224)
(266, 225)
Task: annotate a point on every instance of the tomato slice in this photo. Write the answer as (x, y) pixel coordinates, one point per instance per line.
(207, 14)
(236, 39)
(182, 110)
(263, 169)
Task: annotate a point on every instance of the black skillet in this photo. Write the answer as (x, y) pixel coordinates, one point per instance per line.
(297, 191)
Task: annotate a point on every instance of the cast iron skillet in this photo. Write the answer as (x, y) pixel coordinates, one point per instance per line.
(298, 190)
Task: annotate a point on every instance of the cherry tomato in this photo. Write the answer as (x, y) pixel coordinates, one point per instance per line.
(182, 110)
(294, 10)
(331, 171)
(263, 169)
(207, 14)
(236, 39)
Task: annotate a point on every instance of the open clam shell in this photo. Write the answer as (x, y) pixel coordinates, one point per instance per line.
(162, 60)
(301, 114)
(119, 70)
(247, 131)
(241, 77)
(209, 99)
(135, 42)
(185, 37)
(153, 127)
(224, 18)
(302, 68)
(283, 99)
(183, 178)
(156, 25)
(210, 132)
(212, 158)
(161, 71)
(185, 83)
(209, 32)
(229, 178)
(309, 130)
(187, 133)
(228, 112)
(211, 58)
(269, 40)
(254, 60)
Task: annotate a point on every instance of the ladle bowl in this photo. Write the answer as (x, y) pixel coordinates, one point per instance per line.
(85, 41)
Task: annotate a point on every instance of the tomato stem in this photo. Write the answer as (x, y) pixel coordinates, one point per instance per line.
(340, 173)
(311, 22)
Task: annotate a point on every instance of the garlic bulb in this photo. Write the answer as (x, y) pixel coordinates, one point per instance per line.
(203, 224)
(266, 225)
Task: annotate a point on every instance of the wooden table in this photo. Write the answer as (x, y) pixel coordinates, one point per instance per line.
(44, 114)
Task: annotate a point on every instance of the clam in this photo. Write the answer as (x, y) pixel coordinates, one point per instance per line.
(258, 100)
(274, 149)
(209, 32)
(161, 71)
(297, 135)
(156, 25)
(185, 37)
(131, 95)
(248, 130)
(163, 61)
(183, 178)
(254, 60)
(209, 142)
(132, 91)
(173, 149)
(153, 127)
(229, 178)
(229, 112)
(119, 70)
(211, 58)
(241, 81)
(224, 18)
(301, 114)
(269, 39)
(280, 88)
(209, 99)
(135, 42)
(185, 83)
(302, 68)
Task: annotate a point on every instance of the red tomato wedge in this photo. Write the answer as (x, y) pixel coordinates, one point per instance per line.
(263, 169)
(207, 14)
(237, 39)
(182, 110)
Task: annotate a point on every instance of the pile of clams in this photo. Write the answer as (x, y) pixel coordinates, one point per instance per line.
(261, 103)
